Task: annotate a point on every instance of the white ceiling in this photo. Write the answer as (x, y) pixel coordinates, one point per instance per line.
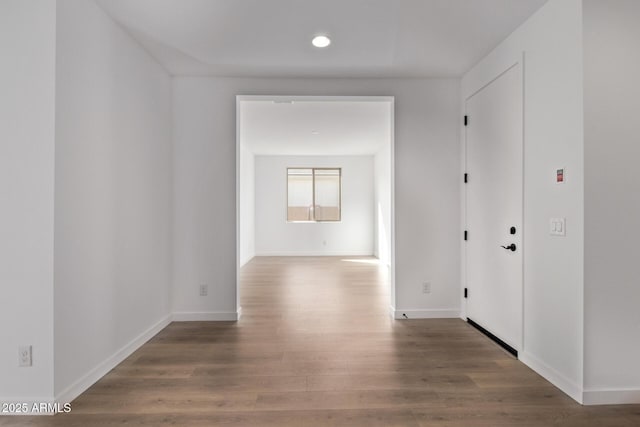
(314, 127)
(271, 38)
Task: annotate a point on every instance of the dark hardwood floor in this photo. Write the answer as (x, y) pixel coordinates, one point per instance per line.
(316, 347)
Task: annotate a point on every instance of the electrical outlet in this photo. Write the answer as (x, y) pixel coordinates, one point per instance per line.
(204, 290)
(24, 355)
(426, 287)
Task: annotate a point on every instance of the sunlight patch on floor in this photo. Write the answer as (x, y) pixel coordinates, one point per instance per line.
(363, 261)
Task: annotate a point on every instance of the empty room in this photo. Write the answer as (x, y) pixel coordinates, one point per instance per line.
(328, 213)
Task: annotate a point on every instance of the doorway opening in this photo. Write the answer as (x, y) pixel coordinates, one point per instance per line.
(314, 177)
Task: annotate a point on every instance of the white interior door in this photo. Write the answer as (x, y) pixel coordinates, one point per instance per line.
(494, 150)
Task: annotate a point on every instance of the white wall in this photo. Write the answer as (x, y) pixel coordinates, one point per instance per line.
(612, 201)
(247, 206)
(427, 208)
(382, 204)
(353, 235)
(113, 186)
(27, 122)
(553, 266)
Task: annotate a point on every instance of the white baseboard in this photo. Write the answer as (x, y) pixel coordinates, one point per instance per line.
(315, 253)
(244, 262)
(206, 316)
(434, 313)
(611, 396)
(87, 380)
(551, 375)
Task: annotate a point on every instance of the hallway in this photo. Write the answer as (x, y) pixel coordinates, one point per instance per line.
(316, 347)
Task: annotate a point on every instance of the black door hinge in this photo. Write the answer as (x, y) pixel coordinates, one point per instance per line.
(466, 120)
(466, 178)
(466, 235)
(466, 293)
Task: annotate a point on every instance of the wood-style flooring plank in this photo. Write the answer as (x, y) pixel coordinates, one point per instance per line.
(316, 347)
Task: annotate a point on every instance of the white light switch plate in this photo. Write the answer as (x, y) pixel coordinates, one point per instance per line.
(558, 227)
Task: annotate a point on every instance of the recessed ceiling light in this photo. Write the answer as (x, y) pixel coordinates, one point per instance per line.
(321, 41)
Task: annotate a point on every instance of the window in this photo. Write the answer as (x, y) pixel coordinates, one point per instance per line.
(313, 194)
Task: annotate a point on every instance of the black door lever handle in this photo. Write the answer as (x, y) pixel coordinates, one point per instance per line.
(511, 247)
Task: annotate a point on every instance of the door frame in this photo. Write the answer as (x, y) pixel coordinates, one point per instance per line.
(300, 98)
(491, 77)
